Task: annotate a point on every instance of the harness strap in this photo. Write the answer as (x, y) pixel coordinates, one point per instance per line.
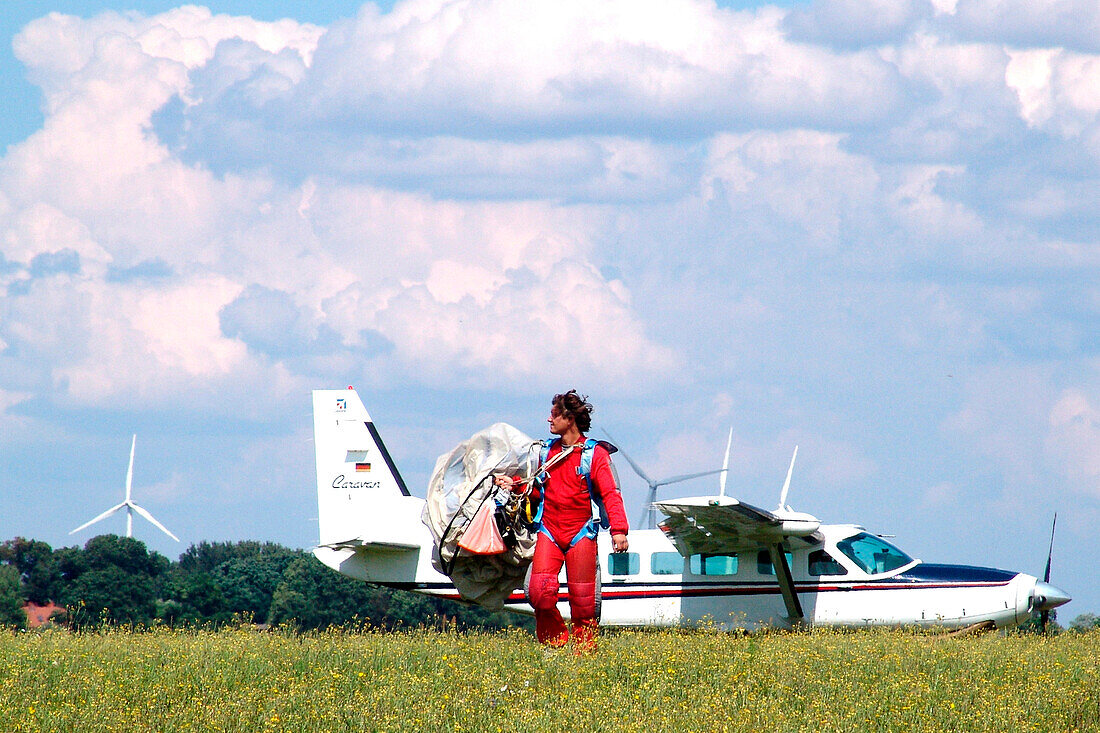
(591, 528)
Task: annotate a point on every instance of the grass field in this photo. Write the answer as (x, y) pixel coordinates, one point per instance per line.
(242, 680)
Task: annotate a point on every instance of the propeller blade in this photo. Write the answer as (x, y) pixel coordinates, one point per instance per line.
(1050, 550)
(149, 516)
(685, 477)
(787, 483)
(130, 470)
(725, 465)
(104, 515)
(1044, 615)
(637, 469)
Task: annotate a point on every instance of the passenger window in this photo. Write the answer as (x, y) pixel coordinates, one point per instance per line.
(713, 564)
(666, 563)
(624, 563)
(822, 563)
(764, 563)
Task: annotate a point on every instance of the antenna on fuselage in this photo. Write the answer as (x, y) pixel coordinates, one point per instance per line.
(787, 483)
(725, 465)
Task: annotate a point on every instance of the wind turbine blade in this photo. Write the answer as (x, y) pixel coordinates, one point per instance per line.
(104, 515)
(637, 469)
(685, 477)
(725, 465)
(149, 516)
(130, 470)
(787, 483)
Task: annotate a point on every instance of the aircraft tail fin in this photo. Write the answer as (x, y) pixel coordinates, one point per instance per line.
(360, 492)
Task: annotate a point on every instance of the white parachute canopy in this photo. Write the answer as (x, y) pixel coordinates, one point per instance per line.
(461, 482)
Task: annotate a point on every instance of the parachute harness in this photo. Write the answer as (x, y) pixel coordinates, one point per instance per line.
(518, 504)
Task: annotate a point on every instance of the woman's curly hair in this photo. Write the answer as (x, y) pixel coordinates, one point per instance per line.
(576, 406)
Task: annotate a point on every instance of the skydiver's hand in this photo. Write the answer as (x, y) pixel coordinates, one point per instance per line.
(505, 481)
(620, 543)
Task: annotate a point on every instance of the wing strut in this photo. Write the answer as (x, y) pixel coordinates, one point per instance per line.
(786, 584)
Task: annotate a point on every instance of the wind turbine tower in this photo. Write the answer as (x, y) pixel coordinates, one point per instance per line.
(129, 505)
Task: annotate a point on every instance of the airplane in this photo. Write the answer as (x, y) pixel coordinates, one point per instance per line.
(714, 559)
(128, 505)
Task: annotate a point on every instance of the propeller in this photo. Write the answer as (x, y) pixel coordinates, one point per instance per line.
(129, 505)
(648, 516)
(1046, 597)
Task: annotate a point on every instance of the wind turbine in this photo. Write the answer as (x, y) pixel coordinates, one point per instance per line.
(649, 513)
(128, 505)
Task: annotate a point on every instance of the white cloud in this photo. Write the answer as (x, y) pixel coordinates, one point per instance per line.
(789, 179)
(1074, 440)
(455, 74)
(857, 23)
(1031, 23)
(100, 194)
(1042, 439)
(1059, 91)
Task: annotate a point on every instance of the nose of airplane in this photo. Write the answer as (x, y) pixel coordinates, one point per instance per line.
(1046, 596)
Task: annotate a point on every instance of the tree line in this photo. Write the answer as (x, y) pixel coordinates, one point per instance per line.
(117, 580)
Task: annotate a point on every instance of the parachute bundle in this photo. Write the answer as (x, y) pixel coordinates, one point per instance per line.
(462, 485)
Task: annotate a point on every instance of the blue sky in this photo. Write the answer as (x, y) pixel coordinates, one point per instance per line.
(868, 229)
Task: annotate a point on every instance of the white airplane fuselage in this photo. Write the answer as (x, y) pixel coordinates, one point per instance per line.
(371, 529)
(633, 594)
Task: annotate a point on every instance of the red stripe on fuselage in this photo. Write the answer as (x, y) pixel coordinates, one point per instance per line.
(611, 593)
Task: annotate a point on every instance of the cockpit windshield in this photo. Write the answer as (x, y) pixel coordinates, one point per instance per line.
(872, 554)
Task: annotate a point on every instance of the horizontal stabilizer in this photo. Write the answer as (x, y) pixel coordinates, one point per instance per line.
(360, 545)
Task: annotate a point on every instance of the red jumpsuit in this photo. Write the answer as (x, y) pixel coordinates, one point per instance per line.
(567, 507)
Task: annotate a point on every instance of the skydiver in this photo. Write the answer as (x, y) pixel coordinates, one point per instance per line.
(567, 531)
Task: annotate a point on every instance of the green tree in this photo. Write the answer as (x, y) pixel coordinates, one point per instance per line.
(113, 579)
(37, 567)
(1085, 622)
(202, 600)
(11, 598)
(208, 556)
(313, 597)
(249, 583)
(214, 580)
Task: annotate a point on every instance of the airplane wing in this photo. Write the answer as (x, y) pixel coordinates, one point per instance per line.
(720, 525)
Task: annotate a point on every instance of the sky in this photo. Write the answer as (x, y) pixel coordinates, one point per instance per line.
(867, 229)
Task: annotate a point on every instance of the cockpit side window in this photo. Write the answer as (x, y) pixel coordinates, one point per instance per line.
(873, 555)
(822, 563)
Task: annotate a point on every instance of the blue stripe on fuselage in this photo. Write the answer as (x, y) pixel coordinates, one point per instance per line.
(933, 573)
